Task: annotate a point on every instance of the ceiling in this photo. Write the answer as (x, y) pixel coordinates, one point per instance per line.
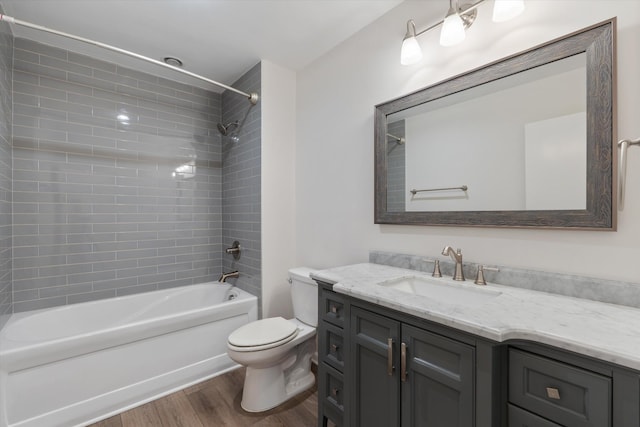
(219, 39)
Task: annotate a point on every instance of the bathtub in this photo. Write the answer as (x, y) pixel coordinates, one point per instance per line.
(77, 364)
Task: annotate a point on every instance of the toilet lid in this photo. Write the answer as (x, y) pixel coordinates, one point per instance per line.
(263, 332)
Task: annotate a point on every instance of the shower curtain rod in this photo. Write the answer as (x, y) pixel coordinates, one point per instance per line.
(252, 97)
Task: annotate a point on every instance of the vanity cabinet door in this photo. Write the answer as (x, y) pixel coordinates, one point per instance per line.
(563, 393)
(409, 377)
(438, 387)
(374, 369)
(521, 418)
(331, 306)
(331, 346)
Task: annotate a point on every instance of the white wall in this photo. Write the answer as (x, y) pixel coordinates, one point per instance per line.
(556, 163)
(334, 153)
(460, 142)
(278, 176)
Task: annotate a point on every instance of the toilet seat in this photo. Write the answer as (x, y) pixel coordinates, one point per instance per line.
(262, 334)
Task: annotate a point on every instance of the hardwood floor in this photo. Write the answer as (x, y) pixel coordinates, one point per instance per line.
(216, 402)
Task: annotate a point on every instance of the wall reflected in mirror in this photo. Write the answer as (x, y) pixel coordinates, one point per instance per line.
(517, 143)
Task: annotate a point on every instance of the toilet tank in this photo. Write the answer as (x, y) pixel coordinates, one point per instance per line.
(304, 294)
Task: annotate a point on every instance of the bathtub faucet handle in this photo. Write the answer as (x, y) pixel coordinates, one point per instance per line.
(232, 274)
(234, 250)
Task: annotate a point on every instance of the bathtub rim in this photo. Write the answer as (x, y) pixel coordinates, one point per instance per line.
(16, 355)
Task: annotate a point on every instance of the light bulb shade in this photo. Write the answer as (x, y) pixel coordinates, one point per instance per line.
(503, 10)
(452, 31)
(411, 52)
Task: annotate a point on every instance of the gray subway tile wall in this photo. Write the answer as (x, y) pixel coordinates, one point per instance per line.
(396, 188)
(241, 186)
(6, 105)
(117, 180)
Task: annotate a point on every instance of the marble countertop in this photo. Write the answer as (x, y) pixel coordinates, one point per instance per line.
(604, 331)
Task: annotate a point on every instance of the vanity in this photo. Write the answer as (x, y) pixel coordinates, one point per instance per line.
(400, 347)
(396, 350)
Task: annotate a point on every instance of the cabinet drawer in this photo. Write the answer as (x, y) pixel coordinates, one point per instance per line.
(332, 307)
(521, 418)
(332, 395)
(332, 346)
(559, 392)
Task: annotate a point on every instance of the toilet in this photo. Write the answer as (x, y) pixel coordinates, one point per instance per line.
(277, 352)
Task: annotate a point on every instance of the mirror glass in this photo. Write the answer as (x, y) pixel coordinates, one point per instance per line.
(536, 119)
(511, 144)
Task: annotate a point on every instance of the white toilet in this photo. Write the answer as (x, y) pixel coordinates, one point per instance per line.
(277, 352)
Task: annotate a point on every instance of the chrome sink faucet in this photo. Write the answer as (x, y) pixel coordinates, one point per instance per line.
(457, 257)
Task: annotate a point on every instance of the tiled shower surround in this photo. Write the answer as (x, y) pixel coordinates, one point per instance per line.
(6, 66)
(117, 180)
(241, 177)
(396, 188)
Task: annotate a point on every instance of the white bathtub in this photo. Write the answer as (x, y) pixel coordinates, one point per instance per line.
(80, 363)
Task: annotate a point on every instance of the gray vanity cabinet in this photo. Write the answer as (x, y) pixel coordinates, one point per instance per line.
(381, 367)
(407, 376)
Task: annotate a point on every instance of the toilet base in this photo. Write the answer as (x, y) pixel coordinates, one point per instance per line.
(266, 388)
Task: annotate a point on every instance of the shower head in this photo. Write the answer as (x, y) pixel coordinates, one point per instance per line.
(225, 129)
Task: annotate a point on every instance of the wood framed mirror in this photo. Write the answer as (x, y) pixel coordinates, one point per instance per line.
(526, 142)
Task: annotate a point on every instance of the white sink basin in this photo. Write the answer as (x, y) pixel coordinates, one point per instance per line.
(444, 290)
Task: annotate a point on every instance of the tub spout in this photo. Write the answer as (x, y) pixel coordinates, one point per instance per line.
(224, 276)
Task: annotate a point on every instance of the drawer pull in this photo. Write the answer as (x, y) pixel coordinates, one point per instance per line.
(334, 348)
(403, 362)
(335, 391)
(334, 309)
(390, 356)
(553, 393)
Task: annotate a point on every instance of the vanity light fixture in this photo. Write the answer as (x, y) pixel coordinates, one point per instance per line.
(410, 52)
(452, 31)
(457, 20)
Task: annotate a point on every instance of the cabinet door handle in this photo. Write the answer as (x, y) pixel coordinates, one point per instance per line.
(403, 362)
(335, 347)
(553, 393)
(390, 356)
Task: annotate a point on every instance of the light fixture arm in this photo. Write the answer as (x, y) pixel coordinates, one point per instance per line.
(411, 29)
(467, 13)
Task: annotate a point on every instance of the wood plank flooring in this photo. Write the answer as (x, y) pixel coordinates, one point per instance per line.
(216, 402)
